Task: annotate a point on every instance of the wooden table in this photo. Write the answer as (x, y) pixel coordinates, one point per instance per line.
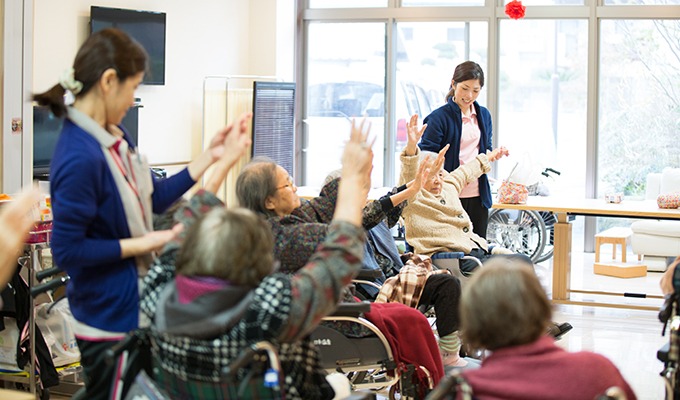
(563, 208)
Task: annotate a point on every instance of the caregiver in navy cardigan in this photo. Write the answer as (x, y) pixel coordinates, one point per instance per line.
(467, 127)
(103, 196)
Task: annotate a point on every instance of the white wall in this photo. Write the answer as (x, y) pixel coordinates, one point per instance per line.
(206, 37)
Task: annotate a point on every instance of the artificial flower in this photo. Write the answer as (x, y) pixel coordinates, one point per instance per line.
(515, 9)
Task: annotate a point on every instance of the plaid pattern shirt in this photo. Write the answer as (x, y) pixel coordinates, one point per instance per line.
(407, 286)
(285, 309)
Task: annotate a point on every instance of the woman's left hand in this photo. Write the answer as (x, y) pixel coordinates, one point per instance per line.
(497, 153)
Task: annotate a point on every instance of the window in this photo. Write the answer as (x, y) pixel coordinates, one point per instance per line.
(639, 115)
(345, 81)
(542, 101)
(424, 71)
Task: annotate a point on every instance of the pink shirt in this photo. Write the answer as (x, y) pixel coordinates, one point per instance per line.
(469, 148)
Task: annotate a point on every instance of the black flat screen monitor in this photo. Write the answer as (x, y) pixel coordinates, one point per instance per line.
(146, 27)
(46, 130)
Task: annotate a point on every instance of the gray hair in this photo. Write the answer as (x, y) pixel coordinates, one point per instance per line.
(235, 245)
(255, 183)
(504, 305)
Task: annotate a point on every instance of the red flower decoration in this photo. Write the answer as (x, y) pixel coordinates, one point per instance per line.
(515, 9)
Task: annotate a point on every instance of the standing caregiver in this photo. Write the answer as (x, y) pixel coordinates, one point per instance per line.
(467, 127)
(103, 196)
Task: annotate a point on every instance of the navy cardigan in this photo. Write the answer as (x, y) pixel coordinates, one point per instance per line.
(444, 125)
(89, 221)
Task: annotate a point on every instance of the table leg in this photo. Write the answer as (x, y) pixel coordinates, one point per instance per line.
(562, 258)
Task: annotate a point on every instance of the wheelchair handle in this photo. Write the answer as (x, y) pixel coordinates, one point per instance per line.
(49, 285)
(46, 273)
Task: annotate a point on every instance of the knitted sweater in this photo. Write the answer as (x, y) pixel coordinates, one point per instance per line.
(284, 310)
(436, 223)
(542, 370)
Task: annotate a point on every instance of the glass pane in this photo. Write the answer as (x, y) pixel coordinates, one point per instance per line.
(441, 3)
(552, 2)
(428, 52)
(347, 3)
(346, 80)
(640, 2)
(639, 116)
(542, 103)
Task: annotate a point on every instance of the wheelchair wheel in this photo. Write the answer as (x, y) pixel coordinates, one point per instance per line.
(522, 231)
(549, 219)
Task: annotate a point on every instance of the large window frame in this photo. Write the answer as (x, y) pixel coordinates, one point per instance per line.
(594, 11)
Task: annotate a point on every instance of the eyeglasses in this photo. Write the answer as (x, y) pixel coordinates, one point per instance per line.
(289, 184)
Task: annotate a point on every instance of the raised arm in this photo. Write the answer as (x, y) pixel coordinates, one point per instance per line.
(236, 142)
(316, 288)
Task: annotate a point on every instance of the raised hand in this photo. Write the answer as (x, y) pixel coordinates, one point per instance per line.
(413, 135)
(357, 158)
(497, 153)
(438, 162)
(235, 142)
(16, 220)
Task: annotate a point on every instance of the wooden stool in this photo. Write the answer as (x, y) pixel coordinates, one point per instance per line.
(613, 236)
(615, 268)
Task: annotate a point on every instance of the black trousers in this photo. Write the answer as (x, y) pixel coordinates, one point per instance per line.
(479, 215)
(99, 374)
(443, 292)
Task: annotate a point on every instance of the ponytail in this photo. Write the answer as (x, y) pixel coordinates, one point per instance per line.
(54, 99)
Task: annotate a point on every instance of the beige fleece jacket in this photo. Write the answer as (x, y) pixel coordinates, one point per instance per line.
(436, 223)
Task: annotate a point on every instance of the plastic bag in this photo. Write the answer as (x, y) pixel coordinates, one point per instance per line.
(54, 320)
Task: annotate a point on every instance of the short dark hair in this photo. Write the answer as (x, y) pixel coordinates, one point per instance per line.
(468, 70)
(504, 305)
(255, 183)
(108, 48)
(235, 245)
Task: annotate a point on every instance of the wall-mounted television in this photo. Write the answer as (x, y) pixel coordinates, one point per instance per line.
(46, 130)
(146, 27)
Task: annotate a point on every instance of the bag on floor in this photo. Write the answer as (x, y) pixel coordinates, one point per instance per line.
(54, 320)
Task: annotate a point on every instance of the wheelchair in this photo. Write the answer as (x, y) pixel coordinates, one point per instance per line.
(669, 354)
(368, 362)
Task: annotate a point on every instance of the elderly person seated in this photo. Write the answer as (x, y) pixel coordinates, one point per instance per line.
(219, 293)
(299, 227)
(505, 310)
(435, 220)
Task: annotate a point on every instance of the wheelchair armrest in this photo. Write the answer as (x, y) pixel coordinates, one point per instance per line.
(249, 355)
(351, 309)
(448, 255)
(369, 274)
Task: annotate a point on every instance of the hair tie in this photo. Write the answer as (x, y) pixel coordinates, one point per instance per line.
(69, 82)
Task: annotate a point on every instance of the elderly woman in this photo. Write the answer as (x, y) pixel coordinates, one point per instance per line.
(299, 227)
(438, 208)
(222, 295)
(505, 310)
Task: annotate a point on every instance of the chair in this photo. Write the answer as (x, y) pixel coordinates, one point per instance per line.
(368, 362)
(655, 239)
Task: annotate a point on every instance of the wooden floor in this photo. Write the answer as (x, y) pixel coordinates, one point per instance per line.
(630, 338)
